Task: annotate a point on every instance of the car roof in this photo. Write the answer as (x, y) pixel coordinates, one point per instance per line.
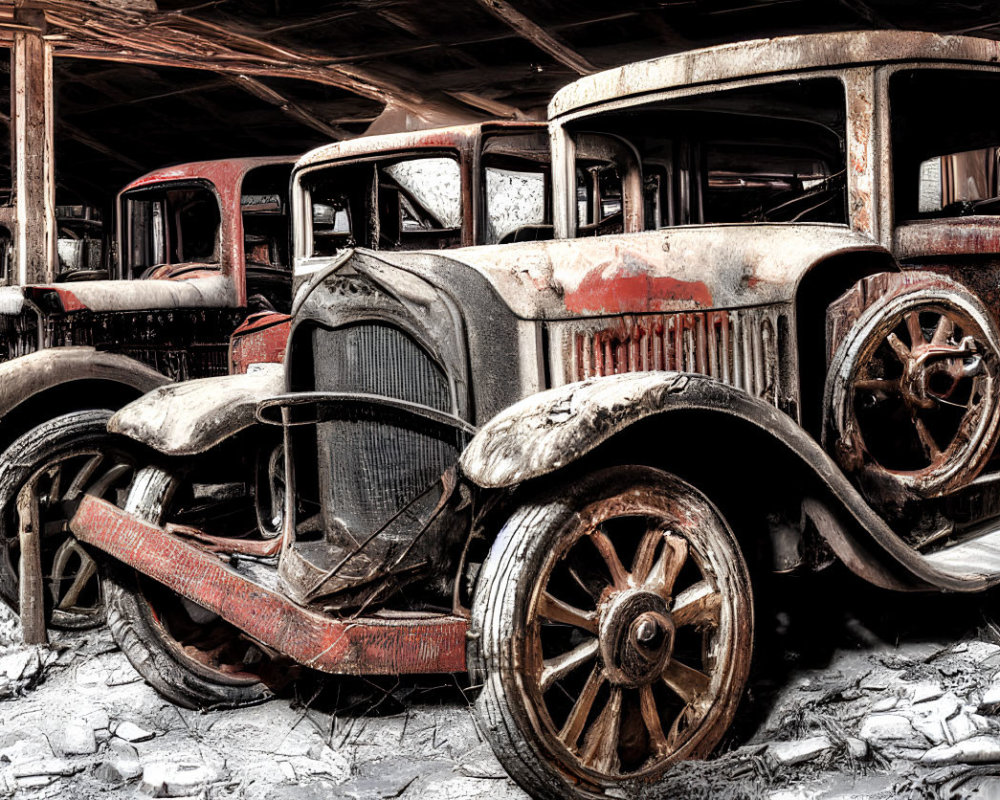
(223, 169)
(446, 137)
(760, 57)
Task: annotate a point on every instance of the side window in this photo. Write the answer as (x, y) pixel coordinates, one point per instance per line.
(946, 143)
(411, 204)
(171, 226)
(264, 205)
(79, 243)
(518, 188)
(419, 204)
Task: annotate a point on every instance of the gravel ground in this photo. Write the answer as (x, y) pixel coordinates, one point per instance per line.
(858, 693)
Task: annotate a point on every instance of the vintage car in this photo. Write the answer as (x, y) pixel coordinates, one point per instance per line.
(217, 234)
(199, 246)
(564, 465)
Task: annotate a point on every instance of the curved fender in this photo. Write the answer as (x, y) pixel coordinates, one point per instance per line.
(23, 377)
(549, 430)
(187, 418)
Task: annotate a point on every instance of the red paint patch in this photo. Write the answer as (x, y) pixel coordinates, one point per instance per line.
(67, 300)
(634, 291)
(261, 339)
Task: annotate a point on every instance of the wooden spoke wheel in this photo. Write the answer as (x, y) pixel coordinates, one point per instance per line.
(53, 465)
(913, 393)
(615, 633)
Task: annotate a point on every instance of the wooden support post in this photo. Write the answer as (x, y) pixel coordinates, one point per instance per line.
(31, 584)
(32, 150)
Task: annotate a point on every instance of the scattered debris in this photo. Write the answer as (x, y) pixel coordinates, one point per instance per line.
(131, 732)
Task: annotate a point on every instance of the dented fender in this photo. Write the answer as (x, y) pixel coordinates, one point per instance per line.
(187, 418)
(555, 428)
(26, 376)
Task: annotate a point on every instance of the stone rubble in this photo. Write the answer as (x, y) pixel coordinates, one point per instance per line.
(912, 719)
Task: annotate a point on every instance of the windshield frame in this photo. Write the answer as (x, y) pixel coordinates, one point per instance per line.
(123, 268)
(564, 147)
(303, 264)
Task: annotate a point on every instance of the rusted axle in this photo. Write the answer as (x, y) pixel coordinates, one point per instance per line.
(355, 646)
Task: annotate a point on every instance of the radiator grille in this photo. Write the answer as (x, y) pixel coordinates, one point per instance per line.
(742, 347)
(372, 468)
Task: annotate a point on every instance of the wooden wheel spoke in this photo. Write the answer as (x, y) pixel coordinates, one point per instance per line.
(883, 385)
(931, 449)
(654, 725)
(913, 328)
(944, 330)
(697, 605)
(558, 667)
(604, 545)
(690, 684)
(646, 552)
(600, 746)
(901, 350)
(668, 566)
(689, 717)
(555, 610)
(573, 727)
(86, 573)
(83, 477)
(54, 475)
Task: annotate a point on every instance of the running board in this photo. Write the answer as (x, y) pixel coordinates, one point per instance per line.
(346, 646)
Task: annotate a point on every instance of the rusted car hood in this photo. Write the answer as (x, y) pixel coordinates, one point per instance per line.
(682, 269)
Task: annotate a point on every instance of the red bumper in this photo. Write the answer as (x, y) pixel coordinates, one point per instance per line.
(354, 646)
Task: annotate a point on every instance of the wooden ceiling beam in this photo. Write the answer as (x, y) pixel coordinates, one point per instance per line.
(289, 107)
(494, 108)
(180, 40)
(538, 36)
(420, 31)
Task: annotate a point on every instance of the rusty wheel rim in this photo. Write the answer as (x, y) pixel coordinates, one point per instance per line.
(201, 640)
(645, 675)
(920, 391)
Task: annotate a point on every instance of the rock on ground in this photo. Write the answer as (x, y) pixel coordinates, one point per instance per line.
(841, 712)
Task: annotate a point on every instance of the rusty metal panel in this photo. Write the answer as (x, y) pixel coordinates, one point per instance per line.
(261, 339)
(739, 347)
(354, 645)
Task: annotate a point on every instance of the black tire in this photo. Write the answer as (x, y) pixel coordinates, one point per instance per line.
(515, 625)
(149, 623)
(66, 455)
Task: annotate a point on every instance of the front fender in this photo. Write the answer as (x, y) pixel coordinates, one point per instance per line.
(555, 428)
(24, 377)
(187, 418)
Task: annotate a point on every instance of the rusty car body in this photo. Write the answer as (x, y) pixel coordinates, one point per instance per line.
(543, 461)
(198, 246)
(216, 236)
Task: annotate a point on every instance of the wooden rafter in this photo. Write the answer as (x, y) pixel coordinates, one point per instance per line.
(289, 107)
(180, 40)
(494, 108)
(538, 36)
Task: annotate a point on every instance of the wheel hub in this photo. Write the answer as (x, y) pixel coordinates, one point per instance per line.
(636, 634)
(931, 372)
